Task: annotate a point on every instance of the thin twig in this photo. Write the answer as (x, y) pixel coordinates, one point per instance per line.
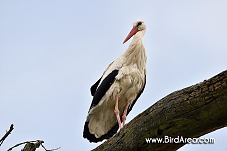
(49, 149)
(6, 134)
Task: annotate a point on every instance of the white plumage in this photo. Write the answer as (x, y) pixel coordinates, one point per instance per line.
(118, 89)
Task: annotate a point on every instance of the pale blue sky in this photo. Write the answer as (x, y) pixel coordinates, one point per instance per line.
(52, 51)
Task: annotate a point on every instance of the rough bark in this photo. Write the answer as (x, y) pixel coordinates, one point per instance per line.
(190, 112)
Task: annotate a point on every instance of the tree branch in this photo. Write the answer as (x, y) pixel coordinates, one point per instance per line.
(190, 112)
(32, 146)
(6, 134)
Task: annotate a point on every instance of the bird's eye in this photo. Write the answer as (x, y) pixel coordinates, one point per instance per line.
(139, 23)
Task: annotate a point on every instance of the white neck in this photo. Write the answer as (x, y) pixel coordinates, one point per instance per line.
(135, 54)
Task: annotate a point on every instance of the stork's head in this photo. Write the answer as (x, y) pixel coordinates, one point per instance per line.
(138, 25)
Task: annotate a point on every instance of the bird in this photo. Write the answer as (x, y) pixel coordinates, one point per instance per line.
(118, 89)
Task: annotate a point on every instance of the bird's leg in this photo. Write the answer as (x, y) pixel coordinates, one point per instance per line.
(116, 112)
(125, 113)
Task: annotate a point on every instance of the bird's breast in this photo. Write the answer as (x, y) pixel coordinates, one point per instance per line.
(129, 82)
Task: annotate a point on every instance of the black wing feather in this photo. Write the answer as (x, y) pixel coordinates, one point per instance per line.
(103, 88)
(92, 137)
(94, 87)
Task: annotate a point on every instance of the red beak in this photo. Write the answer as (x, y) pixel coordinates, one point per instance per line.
(132, 32)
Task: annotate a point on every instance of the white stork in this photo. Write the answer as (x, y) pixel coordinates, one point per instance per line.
(115, 93)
